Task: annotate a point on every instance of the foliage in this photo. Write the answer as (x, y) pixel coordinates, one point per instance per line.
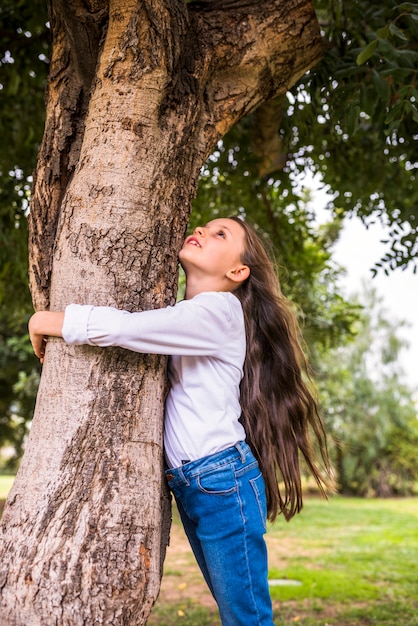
(354, 117)
(367, 406)
(19, 378)
(401, 455)
(24, 50)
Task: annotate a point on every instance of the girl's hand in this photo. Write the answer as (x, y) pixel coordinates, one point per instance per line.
(38, 344)
(41, 325)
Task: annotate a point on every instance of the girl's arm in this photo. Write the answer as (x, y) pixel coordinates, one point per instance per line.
(195, 327)
(41, 325)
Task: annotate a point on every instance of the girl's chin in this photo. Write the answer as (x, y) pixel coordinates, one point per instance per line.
(182, 259)
(184, 252)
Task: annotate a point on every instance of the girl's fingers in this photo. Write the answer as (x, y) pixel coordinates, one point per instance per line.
(42, 350)
(39, 345)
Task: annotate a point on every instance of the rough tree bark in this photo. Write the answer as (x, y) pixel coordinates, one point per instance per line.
(139, 94)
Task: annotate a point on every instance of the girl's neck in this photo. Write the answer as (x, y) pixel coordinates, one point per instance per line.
(195, 286)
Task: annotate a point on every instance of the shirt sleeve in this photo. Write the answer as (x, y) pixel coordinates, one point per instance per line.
(199, 326)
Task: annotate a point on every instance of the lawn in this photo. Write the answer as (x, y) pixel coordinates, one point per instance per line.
(346, 562)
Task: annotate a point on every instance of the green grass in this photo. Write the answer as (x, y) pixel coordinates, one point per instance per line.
(356, 561)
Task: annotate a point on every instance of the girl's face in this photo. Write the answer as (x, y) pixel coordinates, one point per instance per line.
(214, 250)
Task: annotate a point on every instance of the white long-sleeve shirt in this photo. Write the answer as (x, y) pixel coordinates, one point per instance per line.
(205, 339)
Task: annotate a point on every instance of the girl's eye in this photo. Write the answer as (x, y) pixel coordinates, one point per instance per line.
(221, 233)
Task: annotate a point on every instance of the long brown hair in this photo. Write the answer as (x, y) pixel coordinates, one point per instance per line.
(279, 409)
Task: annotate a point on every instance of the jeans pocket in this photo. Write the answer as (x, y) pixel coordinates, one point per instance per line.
(259, 489)
(218, 481)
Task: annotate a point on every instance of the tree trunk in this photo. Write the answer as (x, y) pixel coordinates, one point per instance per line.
(139, 94)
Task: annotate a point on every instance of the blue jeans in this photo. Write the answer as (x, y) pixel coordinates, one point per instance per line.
(222, 503)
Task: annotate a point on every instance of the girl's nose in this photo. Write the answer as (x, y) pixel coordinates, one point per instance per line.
(199, 230)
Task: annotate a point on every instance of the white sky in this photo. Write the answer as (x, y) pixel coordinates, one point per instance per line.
(357, 251)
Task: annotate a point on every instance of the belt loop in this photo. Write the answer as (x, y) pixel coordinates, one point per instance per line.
(183, 476)
(240, 446)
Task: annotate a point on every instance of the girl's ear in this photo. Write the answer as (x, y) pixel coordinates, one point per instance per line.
(238, 274)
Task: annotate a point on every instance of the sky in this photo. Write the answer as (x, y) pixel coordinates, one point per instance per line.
(357, 251)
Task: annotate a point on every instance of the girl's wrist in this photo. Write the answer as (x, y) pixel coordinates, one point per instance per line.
(48, 323)
(33, 324)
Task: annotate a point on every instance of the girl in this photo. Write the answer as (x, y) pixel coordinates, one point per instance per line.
(239, 411)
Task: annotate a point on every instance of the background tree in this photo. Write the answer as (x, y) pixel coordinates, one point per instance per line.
(354, 118)
(24, 63)
(24, 50)
(369, 410)
(18, 385)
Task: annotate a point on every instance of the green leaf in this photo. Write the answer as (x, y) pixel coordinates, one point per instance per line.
(397, 32)
(394, 115)
(408, 58)
(381, 85)
(384, 32)
(387, 49)
(408, 6)
(367, 52)
(415, 114)
(368, 100)
(351, 118)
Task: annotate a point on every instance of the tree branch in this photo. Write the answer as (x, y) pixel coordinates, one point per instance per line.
(265, 138)
(250, 52)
